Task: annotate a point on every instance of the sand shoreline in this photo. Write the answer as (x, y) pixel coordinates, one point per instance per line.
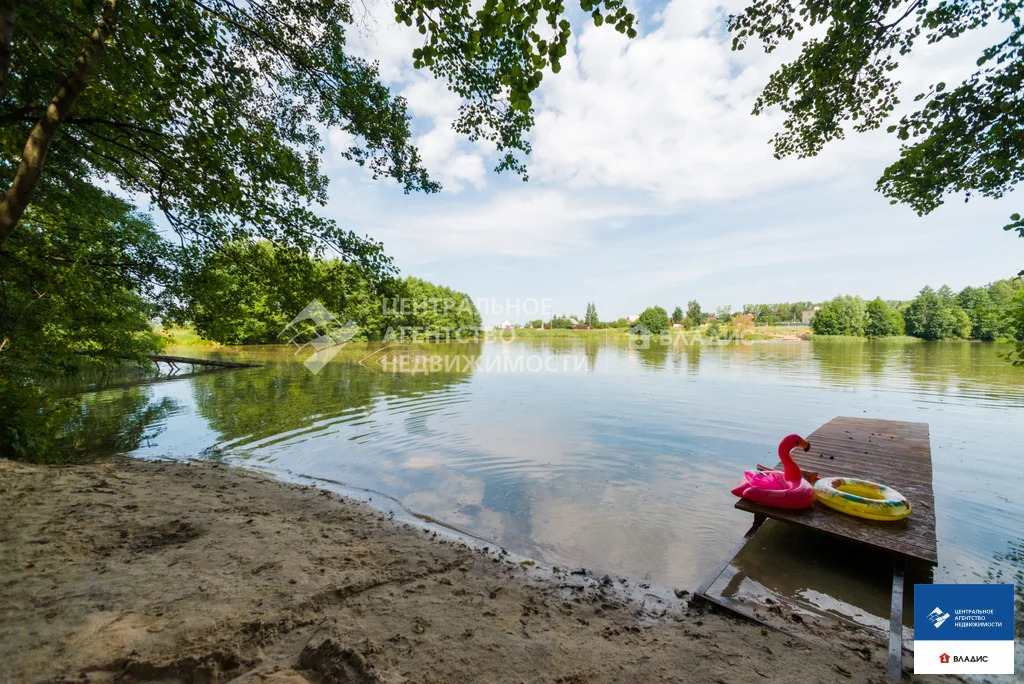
(141, 571)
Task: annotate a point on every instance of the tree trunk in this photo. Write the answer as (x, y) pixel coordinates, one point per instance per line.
(6, 41)
(30, 170)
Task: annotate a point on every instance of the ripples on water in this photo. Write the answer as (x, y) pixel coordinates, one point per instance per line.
(614, 458)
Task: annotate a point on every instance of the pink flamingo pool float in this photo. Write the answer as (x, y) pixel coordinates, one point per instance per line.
(787, 489)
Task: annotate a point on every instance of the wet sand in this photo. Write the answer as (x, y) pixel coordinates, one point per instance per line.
(141, 571)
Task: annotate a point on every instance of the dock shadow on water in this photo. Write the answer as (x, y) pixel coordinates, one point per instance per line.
(601, 455)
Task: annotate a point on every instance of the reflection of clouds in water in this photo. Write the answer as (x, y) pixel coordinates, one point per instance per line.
(663, 523)
(627, 467)
(457, 500)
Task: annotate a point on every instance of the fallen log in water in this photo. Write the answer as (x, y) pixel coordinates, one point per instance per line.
(201, 361)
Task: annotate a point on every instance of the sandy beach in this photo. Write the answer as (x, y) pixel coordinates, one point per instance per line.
(142, 571)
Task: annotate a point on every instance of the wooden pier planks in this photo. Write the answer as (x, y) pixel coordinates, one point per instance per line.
(894, 453)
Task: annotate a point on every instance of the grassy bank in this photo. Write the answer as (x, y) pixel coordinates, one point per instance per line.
(903, 339)
(182, 337)
(761, 332)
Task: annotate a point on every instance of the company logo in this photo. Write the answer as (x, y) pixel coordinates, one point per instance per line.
(946, 659)
(937, 617)
(316, 331)
(639, 337)
(970, 632)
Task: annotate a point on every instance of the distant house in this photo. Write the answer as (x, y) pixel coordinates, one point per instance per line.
(806, 316)
(505, 325)
(632, 319)
(581, 327)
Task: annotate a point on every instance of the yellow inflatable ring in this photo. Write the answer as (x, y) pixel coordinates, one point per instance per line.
(861, 498)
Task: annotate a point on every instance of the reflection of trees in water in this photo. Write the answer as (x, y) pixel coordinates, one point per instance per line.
(266, 401)
(937, 366)
(110, 422)
(839, 360)
(693, 358)
(655, 356)
(591, 349)
(1008, 568)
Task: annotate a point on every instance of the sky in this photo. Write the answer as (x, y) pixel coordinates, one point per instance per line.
(651, 183)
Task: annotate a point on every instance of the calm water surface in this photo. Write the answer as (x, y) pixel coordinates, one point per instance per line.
(596, 454)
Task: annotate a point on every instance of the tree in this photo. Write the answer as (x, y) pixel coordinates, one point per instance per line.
(769, 314)
(844, 315)
(591, 317)
(740, 324)
(977, 303)
(987, 307)
(436, 311)
(564, 322)
(1015, 324)
(213, 109)
(77, 289)
(694, 316)
(936, 315)
(882, 321)
(677, 315)
(654, 319)
(249, 292)
(965, 136)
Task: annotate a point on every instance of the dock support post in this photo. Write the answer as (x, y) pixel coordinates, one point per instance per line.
(896, 622)
(702, 590)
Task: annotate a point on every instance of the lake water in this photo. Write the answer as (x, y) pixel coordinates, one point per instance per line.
(597, 454)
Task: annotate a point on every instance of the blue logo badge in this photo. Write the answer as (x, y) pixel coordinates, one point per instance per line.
(963, 612)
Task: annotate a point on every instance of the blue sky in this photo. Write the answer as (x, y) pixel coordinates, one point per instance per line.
(651, 183)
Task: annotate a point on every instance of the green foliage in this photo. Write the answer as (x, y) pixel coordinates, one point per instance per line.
(981, 313)
(966, 135)
(76, 286)
(677, 315)
(843, 315)
(987, 307)
(248, 293)
(694, 316)
(495, 54)
(654, 319)
(770, 314)
(214, 111)
(936, 315)
(562, 322)
(426, 310)
(1015, 325)
(882, 321)
(591, 317)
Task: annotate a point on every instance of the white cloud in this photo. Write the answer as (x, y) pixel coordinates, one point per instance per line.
(645, 152)
(667, 113)
(523, 222)
(454, 168)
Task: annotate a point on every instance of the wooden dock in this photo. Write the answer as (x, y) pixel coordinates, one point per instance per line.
(894, 453)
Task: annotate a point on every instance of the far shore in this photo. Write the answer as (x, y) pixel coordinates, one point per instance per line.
(139, 571)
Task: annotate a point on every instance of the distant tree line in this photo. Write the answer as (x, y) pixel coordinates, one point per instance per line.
(249, 291)
(989, 313)
(781, 312)
(992, 312)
